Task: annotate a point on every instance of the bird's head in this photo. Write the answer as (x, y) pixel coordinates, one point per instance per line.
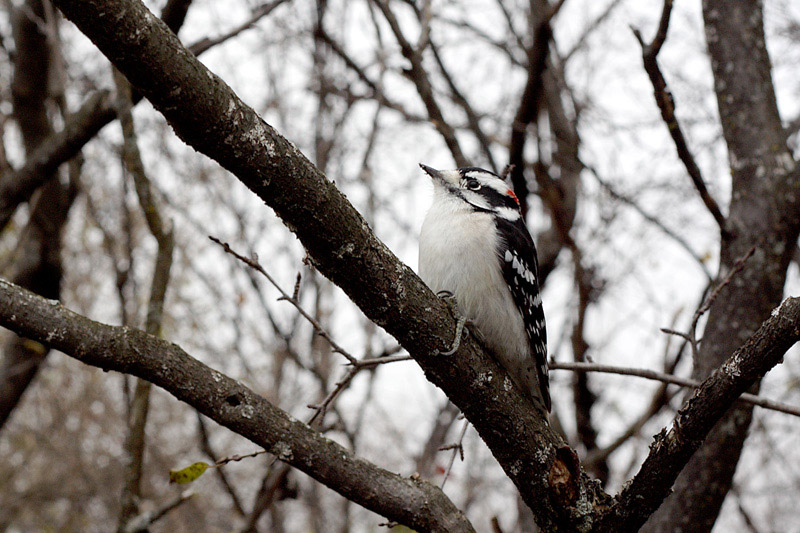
(483, 190)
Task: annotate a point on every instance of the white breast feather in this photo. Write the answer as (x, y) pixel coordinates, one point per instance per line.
(457, 254)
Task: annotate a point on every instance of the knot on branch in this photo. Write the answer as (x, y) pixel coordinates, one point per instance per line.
(564, 476)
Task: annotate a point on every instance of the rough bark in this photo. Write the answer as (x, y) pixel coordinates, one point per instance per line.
(206, 114)
(409, 501)
(671, 449)
(765, 212)
(231, 404)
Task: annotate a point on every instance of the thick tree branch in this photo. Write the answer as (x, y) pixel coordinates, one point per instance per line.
(764, 212)
(207, 115)
(672, 449)
(231, 404)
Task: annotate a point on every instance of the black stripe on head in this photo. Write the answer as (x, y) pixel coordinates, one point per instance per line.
(486, 191)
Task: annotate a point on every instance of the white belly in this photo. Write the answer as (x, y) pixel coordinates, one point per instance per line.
(457, 254)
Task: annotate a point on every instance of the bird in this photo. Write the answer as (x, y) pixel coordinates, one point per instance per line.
(474, 246)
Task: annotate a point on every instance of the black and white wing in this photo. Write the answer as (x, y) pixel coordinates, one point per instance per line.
(521, 271)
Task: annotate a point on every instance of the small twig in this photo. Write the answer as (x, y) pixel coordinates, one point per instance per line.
(236, 457)
(296, 291)
(737, 267)
(680, 334)
(375, 361)
(672, 379)
(260, 12)
(205, 445)
(143, 521)
(342, 384)
(458, 448)
(650, 218)
(421, 79)
(255, 265)
(666, 104)
(357, 366)
(691, 335)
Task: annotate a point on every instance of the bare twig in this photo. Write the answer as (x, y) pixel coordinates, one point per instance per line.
(458, 448)
(205, 444)
(443, 422)
(680, 241)
(666, 103)
(142, 522)
(162, 233)
(472, 117)
(258, 13)
(255, 265)
(421, 80)
(691, 336)
(530, 101)
(671, 379)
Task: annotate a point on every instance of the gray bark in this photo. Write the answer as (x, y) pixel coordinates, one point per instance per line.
(765, 213)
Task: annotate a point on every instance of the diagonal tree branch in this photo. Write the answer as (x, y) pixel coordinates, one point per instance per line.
(422, 82)
(672, 449)
(96, 112)
(207, 115)
(666, 103)
(17, 187)
(231, 404)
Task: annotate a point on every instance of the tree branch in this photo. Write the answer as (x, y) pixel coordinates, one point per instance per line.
(530, 101)
(666, 103)
(670, 379)
(672, 449)
(422, 82)
(231, 404)
(81, 127)
(162, 233)
(207, 115)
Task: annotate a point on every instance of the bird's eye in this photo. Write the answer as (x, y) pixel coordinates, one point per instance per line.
(473, 185)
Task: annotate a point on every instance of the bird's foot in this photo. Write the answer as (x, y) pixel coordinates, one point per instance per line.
(461, 320)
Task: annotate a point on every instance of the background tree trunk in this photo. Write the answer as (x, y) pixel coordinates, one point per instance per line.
(765, 214)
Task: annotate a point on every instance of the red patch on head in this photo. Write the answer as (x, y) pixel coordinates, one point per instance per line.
(510, 193)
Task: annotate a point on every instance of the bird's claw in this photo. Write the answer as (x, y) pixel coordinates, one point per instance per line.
(461, 320)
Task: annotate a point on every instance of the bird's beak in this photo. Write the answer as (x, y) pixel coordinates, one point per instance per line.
(444, 177)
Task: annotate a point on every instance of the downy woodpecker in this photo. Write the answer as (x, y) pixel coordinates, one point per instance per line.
(474, 245)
